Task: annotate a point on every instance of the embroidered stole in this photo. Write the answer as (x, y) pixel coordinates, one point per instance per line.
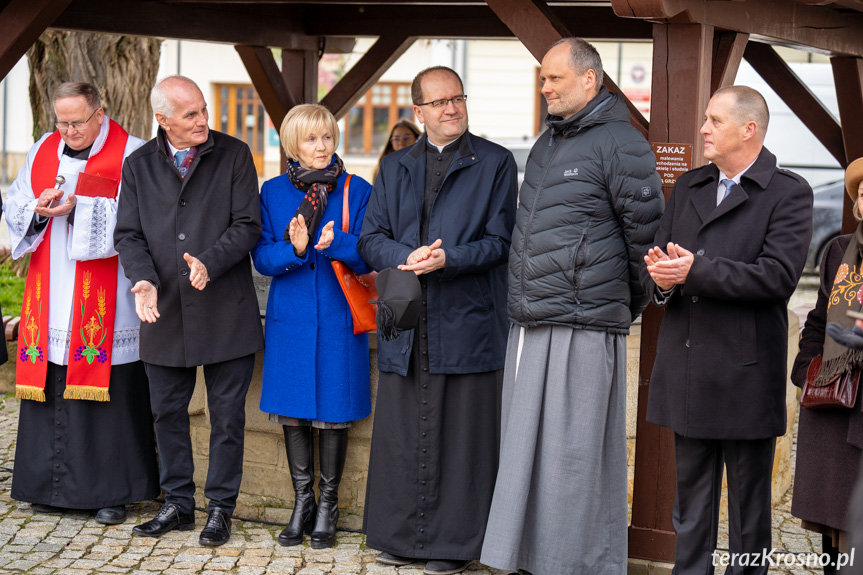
(95, 290)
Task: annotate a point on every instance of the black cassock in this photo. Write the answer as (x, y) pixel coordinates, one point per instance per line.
(82, 454)
(433, 461)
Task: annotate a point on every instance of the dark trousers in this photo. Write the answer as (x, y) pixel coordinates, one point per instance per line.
(699, 463)
(170, 393)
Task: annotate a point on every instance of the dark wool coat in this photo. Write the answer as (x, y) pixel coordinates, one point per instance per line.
(721, 362)
(588, 210)
(829, 441)
(213, 214)
(473, 214)
(314, 367)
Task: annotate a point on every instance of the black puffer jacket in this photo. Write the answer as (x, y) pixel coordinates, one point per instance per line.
(588, 210)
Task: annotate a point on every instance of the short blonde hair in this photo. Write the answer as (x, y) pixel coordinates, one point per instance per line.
(301, 121)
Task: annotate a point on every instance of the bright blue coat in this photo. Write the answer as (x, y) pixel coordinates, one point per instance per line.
(314, 366)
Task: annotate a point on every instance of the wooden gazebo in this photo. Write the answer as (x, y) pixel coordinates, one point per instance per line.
(698, 47)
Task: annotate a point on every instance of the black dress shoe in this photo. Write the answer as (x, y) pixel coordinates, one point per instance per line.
(218, 528)
(111, 515)
(445, 567)
(49, 509)
(390, 559)
(168, 518)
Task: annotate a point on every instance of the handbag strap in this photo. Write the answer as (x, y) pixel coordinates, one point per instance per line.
(345, 212)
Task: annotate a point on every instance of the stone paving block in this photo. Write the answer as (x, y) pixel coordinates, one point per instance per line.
(308, 571)
(251, 570)
(113, 569)
(72, 572)
(53, 547)
(253, 561)
(82, 542)
(227, 551)
(21, 564)
(155, 564)
(58, 563)
(258, 552)
(40, 571)
(86, 564)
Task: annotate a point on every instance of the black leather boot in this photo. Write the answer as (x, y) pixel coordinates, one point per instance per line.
(301, 463)
(332, 449)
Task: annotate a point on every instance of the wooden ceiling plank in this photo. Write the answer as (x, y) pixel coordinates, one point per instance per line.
(21, 24)
(366, 72)
(797, 96)
(728, 50)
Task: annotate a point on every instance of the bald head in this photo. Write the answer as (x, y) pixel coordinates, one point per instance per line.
(164, 94)
(181, 111)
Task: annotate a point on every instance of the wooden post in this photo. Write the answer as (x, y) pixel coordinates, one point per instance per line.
(680, 91)
(848, 77)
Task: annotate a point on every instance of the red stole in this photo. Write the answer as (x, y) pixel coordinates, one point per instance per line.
(95, 297)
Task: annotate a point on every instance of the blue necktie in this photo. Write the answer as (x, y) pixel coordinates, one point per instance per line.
(729, 185)
(180, 156)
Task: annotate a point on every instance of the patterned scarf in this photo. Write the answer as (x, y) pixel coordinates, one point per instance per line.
(846, 294)
(317, 185)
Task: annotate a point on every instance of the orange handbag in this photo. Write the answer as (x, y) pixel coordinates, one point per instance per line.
(359, 289)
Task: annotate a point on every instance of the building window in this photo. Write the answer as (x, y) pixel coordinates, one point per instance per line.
(240, 113)
(368, 123)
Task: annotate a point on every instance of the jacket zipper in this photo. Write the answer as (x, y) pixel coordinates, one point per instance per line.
(530, 217)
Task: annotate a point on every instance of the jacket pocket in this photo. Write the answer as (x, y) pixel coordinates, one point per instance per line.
(481, 282)
(577, 264)
(747, 327)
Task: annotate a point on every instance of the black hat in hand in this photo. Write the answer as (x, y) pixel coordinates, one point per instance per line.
(399, 302)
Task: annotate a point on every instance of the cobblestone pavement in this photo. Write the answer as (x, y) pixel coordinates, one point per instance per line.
(74, 544)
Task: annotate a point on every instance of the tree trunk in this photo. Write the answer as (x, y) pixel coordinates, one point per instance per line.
(123, 68)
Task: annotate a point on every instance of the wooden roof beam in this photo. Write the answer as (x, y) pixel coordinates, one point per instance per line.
(423, 21)
(366, 72)
(537, 27)
(21, 24)
(728, 50)
(268, 81)
(788, 21)
(273, 25)
(797, 96)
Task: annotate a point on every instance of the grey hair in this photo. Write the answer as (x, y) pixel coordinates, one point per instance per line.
(583, 57)
(159, 100)
(749, 106)
(78, 89)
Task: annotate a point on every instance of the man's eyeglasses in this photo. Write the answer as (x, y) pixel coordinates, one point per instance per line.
(405, 138)
(457, 100)
(64, 126)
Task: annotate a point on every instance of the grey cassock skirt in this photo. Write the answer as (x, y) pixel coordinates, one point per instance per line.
(560, 501)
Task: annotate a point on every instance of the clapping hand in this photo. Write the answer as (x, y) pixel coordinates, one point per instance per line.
(198, 274)
(299, 234)
(146, 297)
(425, 259)
(327, 236)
